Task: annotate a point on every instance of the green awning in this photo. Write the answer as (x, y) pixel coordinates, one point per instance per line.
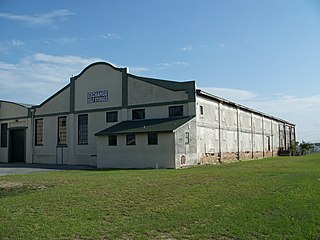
(144, 126)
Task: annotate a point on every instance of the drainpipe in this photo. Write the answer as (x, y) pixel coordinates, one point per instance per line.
(219, 116)
(263, 137)
(32, 111)
(238, 134)
(271, 138)
(285, 136)
(251, 136)
(279, 135)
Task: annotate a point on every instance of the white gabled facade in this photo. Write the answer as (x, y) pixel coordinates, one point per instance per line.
(108, 118)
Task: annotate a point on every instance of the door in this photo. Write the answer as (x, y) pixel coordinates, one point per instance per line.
(17, 145)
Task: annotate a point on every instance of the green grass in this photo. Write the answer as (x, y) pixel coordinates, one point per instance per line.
(275, 198)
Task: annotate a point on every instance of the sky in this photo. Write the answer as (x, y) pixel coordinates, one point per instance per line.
(262, 54)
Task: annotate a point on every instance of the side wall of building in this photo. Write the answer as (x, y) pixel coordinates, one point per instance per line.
(186, 144)
(228, 132)
(15, 117)
(140, 155)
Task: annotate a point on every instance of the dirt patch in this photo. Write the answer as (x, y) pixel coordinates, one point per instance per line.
(10, 185)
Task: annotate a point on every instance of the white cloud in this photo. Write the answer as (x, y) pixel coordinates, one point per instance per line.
(111, 35)
(62, 40)
(137, 70)
(46, 19)
(192, 47)
(17, 43)
(302, 110)
(7, 66)
(186, 48)
(38, 76)
(172, 64)
(230, 94)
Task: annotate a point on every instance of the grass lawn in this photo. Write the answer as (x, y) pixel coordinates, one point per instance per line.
(275, 198)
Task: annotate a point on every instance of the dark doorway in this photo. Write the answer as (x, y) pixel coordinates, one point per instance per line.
(17, 145)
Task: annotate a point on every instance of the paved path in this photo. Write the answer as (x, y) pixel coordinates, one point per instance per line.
(24, 168)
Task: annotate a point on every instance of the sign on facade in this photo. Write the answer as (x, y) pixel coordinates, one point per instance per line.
(98, 96)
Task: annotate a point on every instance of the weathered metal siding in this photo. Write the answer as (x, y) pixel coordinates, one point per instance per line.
(227, 132)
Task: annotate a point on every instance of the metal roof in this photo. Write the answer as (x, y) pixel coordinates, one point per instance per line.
(146, 125)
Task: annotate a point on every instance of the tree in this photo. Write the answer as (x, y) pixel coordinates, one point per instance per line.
(293, 148)
(304, 147)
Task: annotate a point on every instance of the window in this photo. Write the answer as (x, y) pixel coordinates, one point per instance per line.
(112, 116)
(112, 140)
(176, 111)
(201, 110)
(187, 138)
(83, 129)
(39, 132)
(4, 134)
(269, 143)
(131, 139)
(62, 130)
(152, 138)
(138, 114)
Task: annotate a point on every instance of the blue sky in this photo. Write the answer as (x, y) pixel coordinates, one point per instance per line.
(263, 54)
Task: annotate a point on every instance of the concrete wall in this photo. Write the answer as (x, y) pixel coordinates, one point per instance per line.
(141, 92)
(228, 132)
(140, 155)
(186, 151)
(56, 104)
(10, 110)
(16, 116)
(97, 78)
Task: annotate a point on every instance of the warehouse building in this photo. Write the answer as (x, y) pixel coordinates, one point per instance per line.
(108, 118)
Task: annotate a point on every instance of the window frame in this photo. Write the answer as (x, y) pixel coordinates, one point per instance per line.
(153, 141)
(112, 140)
(176, 111)
(186, 138)
(130, 142)
(201, 110)
(60, 128)
(4, 135)
(136, 114)
(39, 141)
(83, 130)
(110, 115)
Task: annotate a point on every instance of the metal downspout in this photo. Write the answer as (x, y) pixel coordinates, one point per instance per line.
(263, 137)
(251, 137)
(238, 134)
(219, 115)
(271, 138)
(32, 111)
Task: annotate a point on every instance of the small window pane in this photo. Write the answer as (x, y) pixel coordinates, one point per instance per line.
(138, 114)
(152, 138)
(187, 138)
(4, 134)
(39, 132)
(112, 116)
(62, 130)
(83, 129)
(131, 139)
(112, 140)
(176, 111)
(201, 110)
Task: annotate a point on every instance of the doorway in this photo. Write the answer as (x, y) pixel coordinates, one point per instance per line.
(17, 145)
